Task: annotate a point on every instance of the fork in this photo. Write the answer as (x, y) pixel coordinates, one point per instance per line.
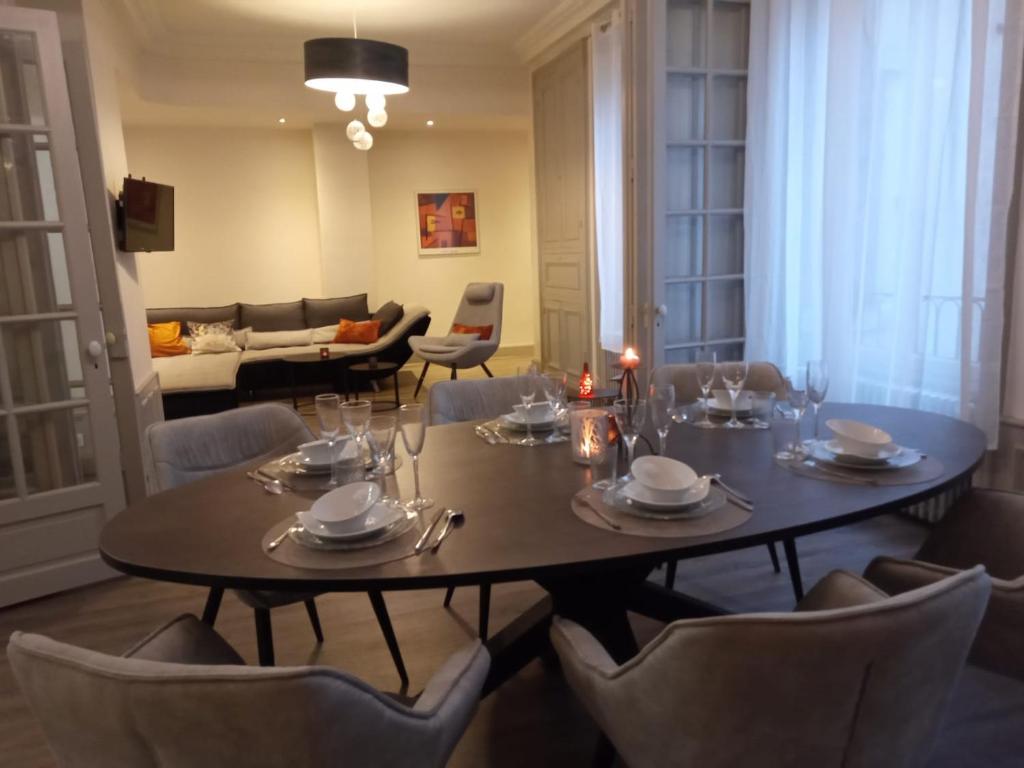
(587, 503)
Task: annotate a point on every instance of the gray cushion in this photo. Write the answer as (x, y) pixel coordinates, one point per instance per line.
(480, 292)
(329, 311)
(389, 314)
(195, 314)
(185, 640)
(285, 316)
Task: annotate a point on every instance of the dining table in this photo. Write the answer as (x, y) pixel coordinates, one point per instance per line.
(518, 525)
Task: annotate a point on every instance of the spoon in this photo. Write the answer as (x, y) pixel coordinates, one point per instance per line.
(454, 518)
(277, 541)
(271, 485)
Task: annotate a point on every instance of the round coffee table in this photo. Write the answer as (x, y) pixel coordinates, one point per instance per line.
(371, 372)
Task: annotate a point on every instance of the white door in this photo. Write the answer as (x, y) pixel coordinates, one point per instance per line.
(59, 469)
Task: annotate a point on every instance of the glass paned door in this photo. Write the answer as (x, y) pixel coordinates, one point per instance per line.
(55, 399)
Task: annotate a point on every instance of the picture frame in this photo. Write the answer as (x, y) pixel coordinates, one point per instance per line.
(447, 223)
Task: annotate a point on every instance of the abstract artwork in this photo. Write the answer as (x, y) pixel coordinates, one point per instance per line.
(447, 223)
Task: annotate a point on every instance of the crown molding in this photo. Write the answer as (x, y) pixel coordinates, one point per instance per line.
(560, 21)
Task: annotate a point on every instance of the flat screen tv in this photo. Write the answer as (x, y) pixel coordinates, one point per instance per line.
(146, 216)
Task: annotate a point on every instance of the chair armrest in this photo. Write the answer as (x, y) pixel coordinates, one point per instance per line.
(896, 576)
(461, 676)
(185, 640)
(570, 638)
(840, 589)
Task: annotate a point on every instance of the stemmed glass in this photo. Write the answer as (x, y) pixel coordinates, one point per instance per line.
(629, 418)
(817, 387)
(380, 435)
(798, 402)
(413, 419)
(734, 375)
(528, 382)
(328, 413)
(662, 400)
(356, 415)
(706, 365)
(554, 390)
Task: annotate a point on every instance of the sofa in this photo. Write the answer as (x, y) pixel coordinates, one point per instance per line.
(194, 384)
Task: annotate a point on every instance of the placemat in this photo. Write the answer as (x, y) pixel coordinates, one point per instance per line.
(348, 473)
(924, 471)
(515, 437)
(722, 519)
(298, 556)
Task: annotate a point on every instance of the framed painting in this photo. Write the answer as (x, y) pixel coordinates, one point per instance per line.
(448, 223)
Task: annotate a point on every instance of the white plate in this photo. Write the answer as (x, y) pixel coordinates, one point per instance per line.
(340, 507)
(375, 521)
(906, 457)
(664, 478)
(516, 422)
(714, 499)
(639, 494)
(344, 450)
(844, 456)
(293, 464)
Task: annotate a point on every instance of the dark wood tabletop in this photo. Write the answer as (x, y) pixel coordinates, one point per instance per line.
(516, 501)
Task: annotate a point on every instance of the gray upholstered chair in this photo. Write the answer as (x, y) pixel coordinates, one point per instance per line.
(984, 527)
(481, 306)
(183, 697)
(854, 678)
(186, 450)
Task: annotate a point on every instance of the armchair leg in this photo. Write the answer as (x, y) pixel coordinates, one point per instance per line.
(793, 563)
(604, 753)
(419, 384)
(264, 637)
(485, 610)
(670, 574)
(448, 596)
(773, 553)
(487, 370)
(212, 605)
(455, 373)
(314, 619)
(381, 610)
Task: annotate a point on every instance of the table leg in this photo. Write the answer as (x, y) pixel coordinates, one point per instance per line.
(793, 563)
(398, 399)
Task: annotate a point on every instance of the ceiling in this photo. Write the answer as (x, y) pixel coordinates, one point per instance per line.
(240, 61)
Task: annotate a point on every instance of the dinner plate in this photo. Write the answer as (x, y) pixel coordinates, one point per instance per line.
(294, 464)
(714, 499)
(516, 422)
(391, 532)
(907, 457)
(845, 456)
(637, 493)
(376, 521)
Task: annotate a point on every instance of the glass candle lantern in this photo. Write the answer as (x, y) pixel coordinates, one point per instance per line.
(588, 429)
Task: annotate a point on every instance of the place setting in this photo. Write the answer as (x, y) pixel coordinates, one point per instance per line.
(729, 407)
(540, 418)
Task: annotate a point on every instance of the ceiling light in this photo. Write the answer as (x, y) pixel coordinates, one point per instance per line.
(355, 129)
(356, 66)
(345, 101)
(430, 123)
(281, 120)
(378, 119)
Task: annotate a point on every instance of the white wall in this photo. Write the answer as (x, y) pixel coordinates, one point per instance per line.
(246, 219)
(494, 164)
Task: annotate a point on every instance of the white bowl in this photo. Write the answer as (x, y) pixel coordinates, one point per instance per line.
(315, 453)
(535, 413)
(859, 438)
(721, 401)
(665, 479)
(343, 510)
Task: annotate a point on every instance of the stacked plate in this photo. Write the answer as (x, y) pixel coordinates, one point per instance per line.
(540, 417)
(856, 445)
(719, 404)
(352, 513)
(663, 488)
(314, 458)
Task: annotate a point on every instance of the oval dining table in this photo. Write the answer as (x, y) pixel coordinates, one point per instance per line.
(519, 525)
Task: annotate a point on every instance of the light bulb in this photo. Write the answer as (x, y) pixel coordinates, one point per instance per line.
(378, 118)
(354, 129)
(375, 102)
(364, 141)
(345, 101)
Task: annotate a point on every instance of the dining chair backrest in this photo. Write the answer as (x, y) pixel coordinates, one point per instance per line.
(115, 712)
(469, 399)
(482, 304)
(763, 377)
(185, 450)
(855, 686)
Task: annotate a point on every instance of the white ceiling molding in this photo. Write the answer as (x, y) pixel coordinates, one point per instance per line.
(566, 17)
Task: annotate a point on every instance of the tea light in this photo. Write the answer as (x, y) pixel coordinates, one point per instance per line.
(629, 360)
(325, 353)
(588, 428)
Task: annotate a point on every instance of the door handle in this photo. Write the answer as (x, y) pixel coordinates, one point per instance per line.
(95, 349)
(661, 310)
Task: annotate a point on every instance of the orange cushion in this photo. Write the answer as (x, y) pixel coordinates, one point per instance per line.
(364, 332)
(483, 330)
(165, 340)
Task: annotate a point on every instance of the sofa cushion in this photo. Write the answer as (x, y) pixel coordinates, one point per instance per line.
(483, 332)
(283, 316)
(197, 373)
(321, 312)
(195, 314)
(388, 315)
(366, 332)
(165, 339)
(271, 339)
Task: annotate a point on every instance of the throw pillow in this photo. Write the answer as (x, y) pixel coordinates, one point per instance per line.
(388, 315)
(165, 340)
(325, 334)
(197, 329)
(366, 332)
(484, 330)
(213, 343)
(271, 339)
(241, 336)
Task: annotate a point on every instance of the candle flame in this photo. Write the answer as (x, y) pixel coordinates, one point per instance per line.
(590, 440)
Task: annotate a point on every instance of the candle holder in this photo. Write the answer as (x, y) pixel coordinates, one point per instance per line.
(629, 388)
(588, 429)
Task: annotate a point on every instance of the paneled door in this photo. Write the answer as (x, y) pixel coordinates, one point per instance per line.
(59, 469)
(561, 120)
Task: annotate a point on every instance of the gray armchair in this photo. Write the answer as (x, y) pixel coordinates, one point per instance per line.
(481, 305)
(186, 450)
(855, 679)
(182, 697)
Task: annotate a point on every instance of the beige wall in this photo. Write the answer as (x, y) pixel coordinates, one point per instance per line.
(494, 164)
(246, 220)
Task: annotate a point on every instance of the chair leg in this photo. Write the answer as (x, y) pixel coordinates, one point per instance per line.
(789, 546)
(773, 553)
(455, 373)
(314, 619)
(212, 605)
(381, 610)
(423, 375)
(670, 574)
(264, 637)
(604, 753)
(485, 610)
(487, 370)
(448, 596)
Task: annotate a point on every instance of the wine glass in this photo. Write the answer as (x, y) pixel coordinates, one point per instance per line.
(328, 413)
(798, 402)
(629, 418)
(707, 361)
(817, 387)
(734, 375)
(380, 435)
(528, 383)
(555, 391)
(356, 415)
(413, 421)
(662, 400)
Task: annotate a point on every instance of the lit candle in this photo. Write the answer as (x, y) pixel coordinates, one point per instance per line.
(629, 360)
(588, 434)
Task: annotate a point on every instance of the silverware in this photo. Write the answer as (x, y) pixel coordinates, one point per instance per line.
(485, 435)
(421, 544)
(453, 518)
(270, 478)
(586, 503)
(729, 489)
(848, 476)
(273, 485)
(498, 436)
(294, 528)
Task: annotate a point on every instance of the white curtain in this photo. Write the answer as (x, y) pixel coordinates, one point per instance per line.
(880, 155)
(609, 110)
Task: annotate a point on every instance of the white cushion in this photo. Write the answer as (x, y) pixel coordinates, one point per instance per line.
(213, 343)
(271, 339)
(325, 334)
(241, 336)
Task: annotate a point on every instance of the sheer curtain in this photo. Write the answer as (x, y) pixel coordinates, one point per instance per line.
(609, 100)
(879, 173)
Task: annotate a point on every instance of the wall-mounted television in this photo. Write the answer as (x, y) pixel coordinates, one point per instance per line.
(146, 216)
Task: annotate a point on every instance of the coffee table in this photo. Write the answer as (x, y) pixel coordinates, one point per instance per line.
(372, 372)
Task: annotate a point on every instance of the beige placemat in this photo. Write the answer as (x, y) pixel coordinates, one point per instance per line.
(722, 519)
(924, 471)
(290, 553)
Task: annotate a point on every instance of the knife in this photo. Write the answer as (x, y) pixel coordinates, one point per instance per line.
(422, 543)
